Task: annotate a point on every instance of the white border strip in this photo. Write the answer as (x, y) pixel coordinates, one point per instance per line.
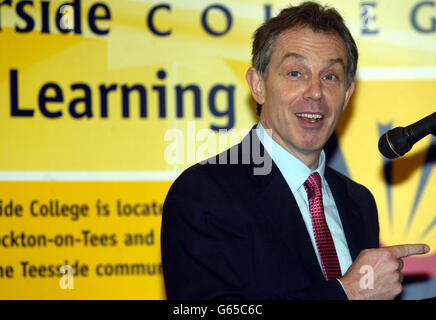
(395, 73)
(89, 175)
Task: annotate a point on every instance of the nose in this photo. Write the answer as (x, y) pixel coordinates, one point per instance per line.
(314, 89)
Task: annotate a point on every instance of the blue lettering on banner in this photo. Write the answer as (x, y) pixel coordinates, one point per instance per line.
(150, 21)
(26, 16)
(206, 25)
(51, 99)
(367, 18)
(414, 20)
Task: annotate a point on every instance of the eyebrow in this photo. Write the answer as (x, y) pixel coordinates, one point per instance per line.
(302, 58)
(292, 55)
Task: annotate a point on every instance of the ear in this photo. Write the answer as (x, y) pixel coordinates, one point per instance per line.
(256, 84)
(348, 95)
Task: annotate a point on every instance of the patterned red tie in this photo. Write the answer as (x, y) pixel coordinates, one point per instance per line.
(323, 237)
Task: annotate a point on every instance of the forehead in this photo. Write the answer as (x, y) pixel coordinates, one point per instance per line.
(318, 45)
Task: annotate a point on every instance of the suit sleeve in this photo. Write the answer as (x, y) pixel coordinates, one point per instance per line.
(325, 290)
(370, 225)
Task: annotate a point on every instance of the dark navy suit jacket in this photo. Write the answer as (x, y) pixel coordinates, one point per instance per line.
(229, 234)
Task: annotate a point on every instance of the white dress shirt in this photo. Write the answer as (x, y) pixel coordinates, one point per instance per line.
(296, 173)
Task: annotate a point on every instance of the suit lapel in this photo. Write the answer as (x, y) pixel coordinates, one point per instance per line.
(277, 205)
(348, 211)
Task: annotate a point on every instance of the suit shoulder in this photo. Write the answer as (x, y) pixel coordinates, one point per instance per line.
(353, 186)
(218, 172)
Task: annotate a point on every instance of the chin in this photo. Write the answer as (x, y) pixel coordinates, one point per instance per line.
(312, 145)
(312, 150)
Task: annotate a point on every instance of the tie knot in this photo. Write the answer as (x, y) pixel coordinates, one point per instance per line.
(313, 185)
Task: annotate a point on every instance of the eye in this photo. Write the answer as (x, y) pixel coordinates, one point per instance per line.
(330, 77)
(294, 74)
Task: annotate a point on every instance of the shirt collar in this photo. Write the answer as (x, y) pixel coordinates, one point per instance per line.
(293, 169)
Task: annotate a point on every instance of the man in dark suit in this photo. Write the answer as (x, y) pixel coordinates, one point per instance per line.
(267, 219)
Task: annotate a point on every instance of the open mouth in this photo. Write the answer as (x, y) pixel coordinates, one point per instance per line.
(310, 117)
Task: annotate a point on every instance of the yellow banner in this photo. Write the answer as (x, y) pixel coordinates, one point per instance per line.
(104, 103)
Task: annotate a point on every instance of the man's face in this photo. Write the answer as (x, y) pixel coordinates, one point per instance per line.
(305, 91)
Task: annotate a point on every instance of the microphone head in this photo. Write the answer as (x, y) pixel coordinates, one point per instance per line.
(393, 143)
(385, 149)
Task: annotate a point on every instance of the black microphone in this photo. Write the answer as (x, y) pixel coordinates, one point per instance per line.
(396, 142)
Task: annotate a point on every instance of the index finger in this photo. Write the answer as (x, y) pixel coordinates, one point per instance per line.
(405, 250)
